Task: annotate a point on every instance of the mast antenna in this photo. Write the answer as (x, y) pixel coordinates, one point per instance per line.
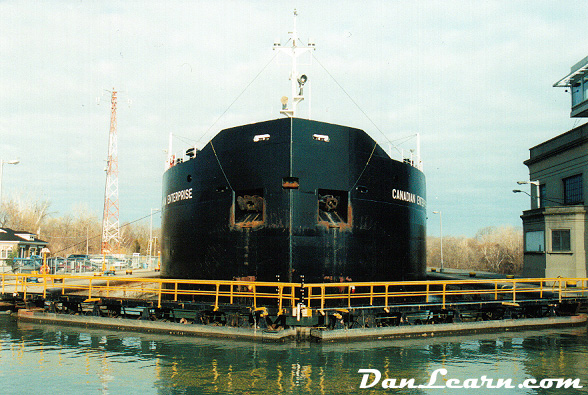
(297, 80)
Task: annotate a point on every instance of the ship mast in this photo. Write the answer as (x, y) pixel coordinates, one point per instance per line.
(297, 80)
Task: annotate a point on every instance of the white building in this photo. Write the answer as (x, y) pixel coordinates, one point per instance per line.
(556, 226)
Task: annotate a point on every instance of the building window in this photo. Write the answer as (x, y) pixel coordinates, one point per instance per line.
(5, 253)
(573, 190)
(542, 195)
(560, 240)
(577, 93)
(535, 241)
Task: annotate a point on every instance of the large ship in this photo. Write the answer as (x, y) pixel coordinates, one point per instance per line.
(293, 199)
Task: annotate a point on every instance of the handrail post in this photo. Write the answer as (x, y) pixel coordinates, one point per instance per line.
(216, 296)
(371, 295)
(323, 292)
(349, 296)
(514, 291)
(386, 295)
(560, 290)
(159, 294)
(444, 288)
(254, 297)
(427, 293)
(495, 290)
(175, 291)
(280, 297)
(24, 288)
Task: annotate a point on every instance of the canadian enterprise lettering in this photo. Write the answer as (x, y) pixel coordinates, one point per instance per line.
(408, 197)
(179, 195)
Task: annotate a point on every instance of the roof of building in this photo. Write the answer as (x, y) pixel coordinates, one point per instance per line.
(563, 142)
(16, 236)
(577, 71)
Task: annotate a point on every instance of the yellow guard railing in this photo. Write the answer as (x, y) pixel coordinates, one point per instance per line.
(318, 296)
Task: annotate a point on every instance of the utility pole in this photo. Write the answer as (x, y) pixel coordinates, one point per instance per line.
(440, 235)
(2, 162)
(110, 224)
(150, 245)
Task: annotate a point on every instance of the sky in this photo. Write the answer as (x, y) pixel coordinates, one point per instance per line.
(473, 78)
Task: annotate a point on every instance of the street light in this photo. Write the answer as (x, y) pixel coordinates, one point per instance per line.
(545, 199)
(441, 235)
(2, 162)
(536, 185)
(150, 247)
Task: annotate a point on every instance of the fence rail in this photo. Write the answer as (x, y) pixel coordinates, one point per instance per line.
(323, 296)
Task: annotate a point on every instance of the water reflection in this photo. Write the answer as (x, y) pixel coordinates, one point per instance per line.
(91, 360)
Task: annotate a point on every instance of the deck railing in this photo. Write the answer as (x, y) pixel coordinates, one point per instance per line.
(319, 296)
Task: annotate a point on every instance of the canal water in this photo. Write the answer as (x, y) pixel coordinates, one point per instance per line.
(51, 359)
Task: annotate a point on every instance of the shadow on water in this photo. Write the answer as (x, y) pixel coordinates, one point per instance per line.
(105, 361)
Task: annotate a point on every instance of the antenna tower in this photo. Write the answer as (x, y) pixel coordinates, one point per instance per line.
(110, 225)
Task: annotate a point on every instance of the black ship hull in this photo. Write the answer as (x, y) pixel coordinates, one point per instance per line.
(289, 197)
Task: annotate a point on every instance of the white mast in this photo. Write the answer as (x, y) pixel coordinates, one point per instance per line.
(419, 162)
(170, 155)
(298, 80)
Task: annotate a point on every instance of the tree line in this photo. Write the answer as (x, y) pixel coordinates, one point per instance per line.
(78, 232)
(492, 249)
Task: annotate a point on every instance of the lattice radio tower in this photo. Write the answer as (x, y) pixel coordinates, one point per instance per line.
(110, 225)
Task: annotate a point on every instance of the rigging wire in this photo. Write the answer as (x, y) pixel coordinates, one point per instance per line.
(402, 139)
(354, 102)
(185, 140)
(221, 166)
(238, 96)
(365, 167)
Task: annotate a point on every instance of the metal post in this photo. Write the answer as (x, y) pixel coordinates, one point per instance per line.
(440, 235)
(150, 246)
(2, 162)
(159, 295)
(444, 289)
(150, 237)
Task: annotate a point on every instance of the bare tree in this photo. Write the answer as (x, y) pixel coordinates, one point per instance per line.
(21, 214)
(498, 250)
(79, 232)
